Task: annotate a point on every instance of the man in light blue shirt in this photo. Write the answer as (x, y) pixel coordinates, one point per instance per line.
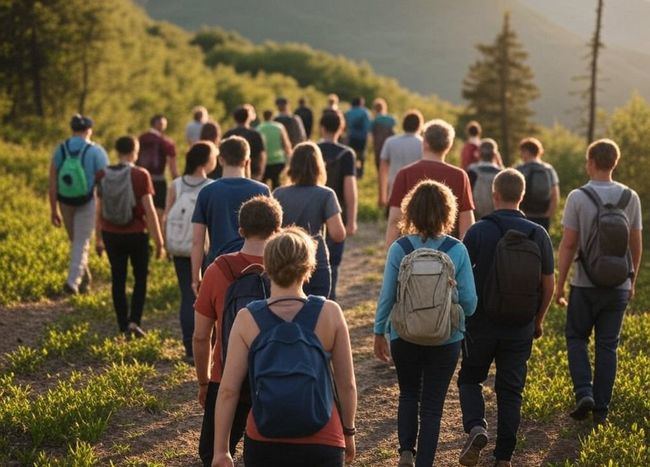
(357, 122)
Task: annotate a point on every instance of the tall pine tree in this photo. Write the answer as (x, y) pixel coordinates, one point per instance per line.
(499, 87)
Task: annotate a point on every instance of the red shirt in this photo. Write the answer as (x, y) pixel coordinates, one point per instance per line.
(212, 293)
(453, 177)
(155, 148)
(468, 155)
(142, 185)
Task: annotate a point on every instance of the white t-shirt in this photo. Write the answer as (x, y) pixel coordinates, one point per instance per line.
(193, 131)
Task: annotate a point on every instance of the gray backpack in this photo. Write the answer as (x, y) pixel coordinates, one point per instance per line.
(426, 311)
(118, 198)
(606, 258)
(482, 189)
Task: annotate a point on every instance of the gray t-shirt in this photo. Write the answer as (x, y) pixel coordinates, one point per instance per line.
(525, 169)
(400, 151)
(580, 214)
(308, 207)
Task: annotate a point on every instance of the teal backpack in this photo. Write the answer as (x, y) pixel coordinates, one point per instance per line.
(72, 184)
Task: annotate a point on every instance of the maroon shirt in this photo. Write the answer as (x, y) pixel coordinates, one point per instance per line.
(155, 148)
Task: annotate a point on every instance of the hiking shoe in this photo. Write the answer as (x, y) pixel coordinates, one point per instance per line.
(68, 290)
(502, 464)
(476, 440)
(136, 331)
(406, 459)
(583, 407)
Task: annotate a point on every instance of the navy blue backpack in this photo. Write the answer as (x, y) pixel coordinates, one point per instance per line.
(289, 372)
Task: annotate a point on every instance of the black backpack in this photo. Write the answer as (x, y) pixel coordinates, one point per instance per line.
(606, 258)
(511, 293)
(539, 185)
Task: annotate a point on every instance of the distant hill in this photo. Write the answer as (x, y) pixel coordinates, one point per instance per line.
(428, 44)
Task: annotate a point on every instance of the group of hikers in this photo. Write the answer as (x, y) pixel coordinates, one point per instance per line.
(257, 267)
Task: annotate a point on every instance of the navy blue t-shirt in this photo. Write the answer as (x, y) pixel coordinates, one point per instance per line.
(217, 207)
(481, 242)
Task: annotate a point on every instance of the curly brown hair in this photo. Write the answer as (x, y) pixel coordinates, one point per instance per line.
(428, 210)
(290, 256)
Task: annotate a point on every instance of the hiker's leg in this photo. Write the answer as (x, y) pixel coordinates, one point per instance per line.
(238, 425)
(183, 267)
(140, 264)
(511, 362)
(406, 357)
(439, 366)
(118, 257)
(336, 256)
(79, 222)
(607, 332)
(478, 353)
(206, 441)
(579, 323)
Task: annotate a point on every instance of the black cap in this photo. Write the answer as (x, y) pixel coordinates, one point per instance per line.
(80, 123)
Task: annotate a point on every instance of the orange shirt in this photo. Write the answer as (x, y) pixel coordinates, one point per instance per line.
(212, 294)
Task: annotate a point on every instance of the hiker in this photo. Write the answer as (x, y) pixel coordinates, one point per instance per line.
(469, 154)
(292, 123)
(481, 176)
(74, 166)
(542, 183)
(211, 131)
(309, 204)
(340, 168)
(217, 206)
(156, 152)
(293, 421)
(332, 102)
(259, 218)
(425, 361)
(382, 127)
(278, 148)
(126, 217)
(512, 259)
(357, 123)
(602, 225)
(193, 129)
(306, 115)
(200, 160)
(436, 143)
(399, 151)
(244, 115)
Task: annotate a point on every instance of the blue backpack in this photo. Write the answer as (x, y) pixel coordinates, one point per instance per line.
(289, 373)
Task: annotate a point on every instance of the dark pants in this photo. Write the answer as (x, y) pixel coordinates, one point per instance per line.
(264, 454)
(359, 146)
(160, 195)
(336, 256)
(273, 172)
(320, 282)
(543, 221)
(511, 357)
(601, 310)
(121, 248)
(206, 441)
(423, 374)
(183, 268)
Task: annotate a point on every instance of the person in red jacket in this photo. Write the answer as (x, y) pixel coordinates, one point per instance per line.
(470, 153)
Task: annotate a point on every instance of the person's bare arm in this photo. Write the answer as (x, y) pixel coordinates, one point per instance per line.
(263, 159)
(566, 254)
(555, 200)
(173, 166)
(335, 228)
(201, 347)
(636, 249)
(465, 221)
(153, 225)
(351, 202)
(55, 217)
(548, 288)
(392, 229)
(198, 246)
(384, 167)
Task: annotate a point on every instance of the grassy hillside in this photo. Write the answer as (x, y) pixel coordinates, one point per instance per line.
(427, 45)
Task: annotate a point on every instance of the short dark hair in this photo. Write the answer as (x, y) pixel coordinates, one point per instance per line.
(267, 115)
(357, 101)
(302, 101)
(155, 119)
(488, 149)
(199, 154)
(307, 167)
(281, 102)
(473, 128)
(605, 153)
(412, 121)
(331, 121)
(241, 114)
(210, 131)
(510, 184)
(260, 217)
(80, 122)
(125, 144)
(234, 151)
(532, 146)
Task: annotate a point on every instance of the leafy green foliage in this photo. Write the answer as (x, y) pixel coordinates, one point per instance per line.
(148, 349)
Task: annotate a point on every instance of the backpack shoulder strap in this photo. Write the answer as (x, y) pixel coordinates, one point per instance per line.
(263, 316)
(496, 221)
(406, 245)
(624, 200)
(592, 195)
(308, 315)
(447, 244)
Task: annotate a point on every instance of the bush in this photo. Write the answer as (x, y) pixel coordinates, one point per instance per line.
(612, 446)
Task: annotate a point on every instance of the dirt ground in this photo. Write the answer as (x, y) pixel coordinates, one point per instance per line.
(169, 436)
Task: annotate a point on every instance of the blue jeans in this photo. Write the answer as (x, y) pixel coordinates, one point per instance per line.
(511, 357)
(183, 268)
(423, 374)
(601, 310)
(336, 256)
